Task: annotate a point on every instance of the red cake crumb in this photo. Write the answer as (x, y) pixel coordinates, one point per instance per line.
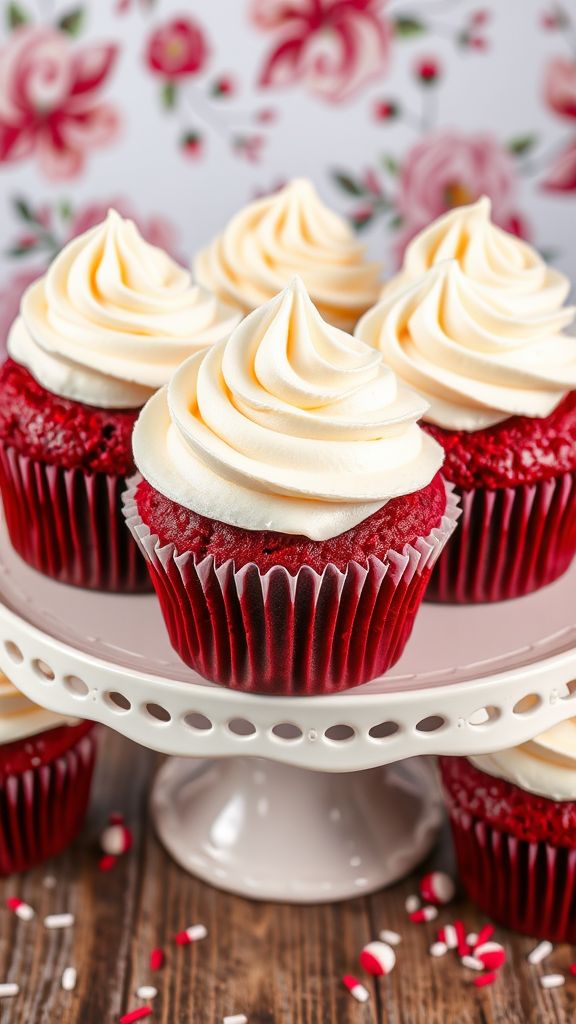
(520, 450)
(399, 522)
(506, 807)
(61, 432)
(22, 755)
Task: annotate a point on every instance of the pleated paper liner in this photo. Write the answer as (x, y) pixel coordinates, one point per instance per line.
(509, 542)
(279, 633)
(68, 524)
(42, 808)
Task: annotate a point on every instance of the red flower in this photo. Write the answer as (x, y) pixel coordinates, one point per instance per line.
(428, 70)
(560, 86)
(177, 49)
(385, 110)
(49, 103)
(335, 47)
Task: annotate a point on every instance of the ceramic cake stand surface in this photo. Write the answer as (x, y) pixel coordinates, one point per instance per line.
(300, 799)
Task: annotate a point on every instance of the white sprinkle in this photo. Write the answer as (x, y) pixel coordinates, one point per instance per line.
(146, 992)
(69, 979)
(472, 938)
(196, 932)
(450, 936)
(238, 1018)
(392, 938)
(438, 949)
(24, 912)
(552, 980)
(9, 988)
(59, 920)
(472, 963)
(412, 903)
(540, 952)
(49, 882)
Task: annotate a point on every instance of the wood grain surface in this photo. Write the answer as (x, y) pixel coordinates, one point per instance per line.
(276, 964)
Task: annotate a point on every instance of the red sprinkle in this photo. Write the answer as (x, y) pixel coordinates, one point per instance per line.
(572, 968)
(107, 862)
(485, 979)
(139, 1014)
(157, 959)
(13, 902)
(484, 934)
(462, 947)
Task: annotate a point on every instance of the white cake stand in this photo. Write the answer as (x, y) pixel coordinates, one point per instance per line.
(287, 798)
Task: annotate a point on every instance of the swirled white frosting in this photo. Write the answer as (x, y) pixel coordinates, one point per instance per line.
(475, 362)
(20, 718)
(513, 276)
(291, 232)
(291, 425)
(545, 766)
(112, 319)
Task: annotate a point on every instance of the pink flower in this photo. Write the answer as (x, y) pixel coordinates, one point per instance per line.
(177, 49)
(335, 47)
(560, 86)
(562, 175)
(450, 169)
(49, 100)
(155, 229)
(10, 297)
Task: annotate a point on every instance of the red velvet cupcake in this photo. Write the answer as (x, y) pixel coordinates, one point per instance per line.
(513, 817)
(291, 509)
(46, 768)
(105, 327)
(480, 337)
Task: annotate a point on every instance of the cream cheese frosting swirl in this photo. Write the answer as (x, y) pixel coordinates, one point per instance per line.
(20, 718)
(474, 362)
(291, 232)
(112, 318)
(291, 425)
(511, 273)
(545, 766)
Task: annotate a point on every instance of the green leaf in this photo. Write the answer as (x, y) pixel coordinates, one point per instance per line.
(348, 184)
(65, 209)
(396, 222)
(20, 250)
(391, 165)
(24, 210)
(168, 95)
(73, 22)
(522, 144)
(406, 27)
(16, 16)
(360, 223)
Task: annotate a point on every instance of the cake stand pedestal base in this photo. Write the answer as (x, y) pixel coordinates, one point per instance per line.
(271, 831)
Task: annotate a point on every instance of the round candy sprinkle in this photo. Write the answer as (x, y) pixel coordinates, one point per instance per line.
(377, 958)
(491, 955)
(437, 887)
(552, 980)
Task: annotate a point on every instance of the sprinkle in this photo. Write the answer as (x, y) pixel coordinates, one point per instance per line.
(485, 979)
(462, 945)
(355, 988)
(424, 914)
(552, 980)
(156, 959)
(238, 1018)
(69, 979)
(392, 938)
(192, 934)
(412, 903)
(438, 949)
(491, 955)
(116, 818)
(59, 920)
(107, 862)
(129, 1018)
(540, 952)
(146, 992)
(472, 939)
(116, 839)
(49, 882)
(9, 988)
(484, 934)
(572, 968)
(378, 958)
(437, 887)
(21, 909)
(472, 963)
(448, 935)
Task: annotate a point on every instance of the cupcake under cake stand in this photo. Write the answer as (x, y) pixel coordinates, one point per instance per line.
(299, 799)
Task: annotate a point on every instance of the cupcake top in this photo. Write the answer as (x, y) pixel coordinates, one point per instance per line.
(512, 275)
(20, 718)
(545, 766)
(290, 425)
(474, 360)
(291, 232)
(112, 318)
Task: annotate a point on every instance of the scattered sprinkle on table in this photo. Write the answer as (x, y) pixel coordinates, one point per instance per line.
(448, 935)
(438, 949)
(540, 952)
(194, 933)
(157, 959)
(140, 1014)
(49, 882)
(146, 992)
(484, 934)
(392, 938)
(59, 921)
(69, 979)
(378, 958)
(22, 910)
(472, 963)
(424, 914)
(485, 979)
(412, 903)
(9, 988)
(437, 887)
(552, 980)
(491, 955)
(356, 989)
(238, 1018)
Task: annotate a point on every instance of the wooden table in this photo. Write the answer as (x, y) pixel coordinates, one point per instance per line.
(276, 964)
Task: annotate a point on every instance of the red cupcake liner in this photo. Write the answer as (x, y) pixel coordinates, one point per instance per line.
(68, 524)
(510, 542)
(277, 633)
(42, 808)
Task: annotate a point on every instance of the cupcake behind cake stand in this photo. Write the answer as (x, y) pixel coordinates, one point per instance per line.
(298, 799)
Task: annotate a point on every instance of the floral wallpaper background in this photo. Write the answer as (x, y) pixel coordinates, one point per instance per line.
(179, 111)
